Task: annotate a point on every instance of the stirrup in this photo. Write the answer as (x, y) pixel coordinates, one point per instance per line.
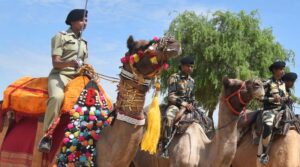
(165, 154)
(264, 159)
(45, 145)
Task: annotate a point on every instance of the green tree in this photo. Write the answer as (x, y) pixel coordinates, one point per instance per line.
(226, 43)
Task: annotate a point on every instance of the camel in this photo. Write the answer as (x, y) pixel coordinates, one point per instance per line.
(119, 143)
(193, 148)
(285, 151)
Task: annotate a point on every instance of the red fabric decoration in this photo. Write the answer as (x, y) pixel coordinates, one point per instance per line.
(90, 100)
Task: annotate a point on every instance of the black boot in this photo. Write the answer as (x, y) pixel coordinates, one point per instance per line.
(45, 145)
(264, 157)
(166, 141)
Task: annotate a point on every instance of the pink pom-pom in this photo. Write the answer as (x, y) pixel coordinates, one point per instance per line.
(102, 98)
(131, 59)
(155, 39)
(166, 66)
(91, 117)
(81, 138)
(96, 137)
(78, 109)
(88, 154)
(66, 140)
(70, 126)
(70, 157)
(124, 60)
(141, 54)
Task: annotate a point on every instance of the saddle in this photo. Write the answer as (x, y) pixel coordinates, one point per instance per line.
(284, 121)
(28, 96)
(196, 116)
(187, 119)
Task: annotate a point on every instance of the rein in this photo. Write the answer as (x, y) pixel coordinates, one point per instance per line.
(238, 94)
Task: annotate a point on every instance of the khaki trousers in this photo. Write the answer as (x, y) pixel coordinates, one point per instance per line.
(56, 86)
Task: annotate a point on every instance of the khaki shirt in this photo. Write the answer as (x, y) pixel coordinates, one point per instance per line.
(65, 45)
(181, 89)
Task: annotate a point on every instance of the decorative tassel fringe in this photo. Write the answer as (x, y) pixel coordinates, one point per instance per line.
(152, 134)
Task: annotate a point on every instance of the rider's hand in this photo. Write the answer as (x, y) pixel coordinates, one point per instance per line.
(77, 63)
(277, 98)
(190, 107)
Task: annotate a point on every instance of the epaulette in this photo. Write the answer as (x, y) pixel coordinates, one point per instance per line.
(63, 32)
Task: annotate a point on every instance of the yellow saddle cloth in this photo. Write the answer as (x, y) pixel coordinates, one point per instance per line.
(28, 96)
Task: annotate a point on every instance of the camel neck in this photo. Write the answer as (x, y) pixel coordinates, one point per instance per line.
(223, 146)
(131, 99)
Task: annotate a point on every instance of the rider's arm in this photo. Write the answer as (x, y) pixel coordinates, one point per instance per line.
(85, 57)
(272, 92)
(57, 52)
(59, 64)
(193, 98)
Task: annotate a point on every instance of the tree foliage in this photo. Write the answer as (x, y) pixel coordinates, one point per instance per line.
(224, 44)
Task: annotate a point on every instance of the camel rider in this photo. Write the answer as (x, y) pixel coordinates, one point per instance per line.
(289, 80)
(180, 93)
(69, 52)
(273, 103)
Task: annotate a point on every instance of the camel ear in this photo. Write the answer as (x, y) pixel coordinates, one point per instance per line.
(130, 43)
(226, 81)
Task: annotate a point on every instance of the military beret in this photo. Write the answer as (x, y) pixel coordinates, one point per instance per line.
(187, 60)
(277, 64)
(75, 15)
(291, 76)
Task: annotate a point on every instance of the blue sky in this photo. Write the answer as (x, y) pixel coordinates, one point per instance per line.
(28, 25)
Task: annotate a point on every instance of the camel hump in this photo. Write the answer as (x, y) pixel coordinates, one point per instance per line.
(28, 95)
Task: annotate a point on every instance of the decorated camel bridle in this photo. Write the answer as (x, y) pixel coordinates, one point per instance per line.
(136, 99)
(133, 59)
(237, 93)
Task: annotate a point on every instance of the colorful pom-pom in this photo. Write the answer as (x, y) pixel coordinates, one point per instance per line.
(166, 66)
(70, 157)
(155, 38)
(66, 140)
(154, 60)
(140, 53)
(92, 117)
(70, 126)
(124, 60)
(131, 59)
(136, 58)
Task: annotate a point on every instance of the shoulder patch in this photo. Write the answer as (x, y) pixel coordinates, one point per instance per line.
(172, 78)
(63, 32)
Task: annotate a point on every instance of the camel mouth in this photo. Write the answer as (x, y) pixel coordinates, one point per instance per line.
(259, 96)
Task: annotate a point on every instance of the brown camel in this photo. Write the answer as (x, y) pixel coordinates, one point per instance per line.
(285, 152)
(119, 143)
(193, 148)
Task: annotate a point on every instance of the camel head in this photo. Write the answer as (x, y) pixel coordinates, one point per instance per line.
(146, 59)
(237, 93)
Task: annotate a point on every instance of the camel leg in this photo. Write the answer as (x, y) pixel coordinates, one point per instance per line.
(118, 144)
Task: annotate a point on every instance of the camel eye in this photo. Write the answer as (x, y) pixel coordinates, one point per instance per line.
(256, 84)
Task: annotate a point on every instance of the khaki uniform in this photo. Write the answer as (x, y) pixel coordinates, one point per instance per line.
(65, 45)
(181, 91)
(271, 108)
